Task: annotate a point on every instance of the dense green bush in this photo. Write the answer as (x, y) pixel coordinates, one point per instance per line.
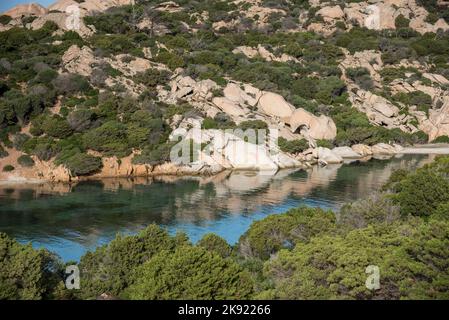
(268, 236)
(422, 100)
(8, 168)
(4, 19)
(26, 161)
(110, 269)
(190, 273)
(25, 273)
(374, 209)
(292, 146)
(421, 193)
(111, 139)
(411, 260)
(441, 139)
(56, 127)
(81, 164)
(44, 148)
(212, 242)
(401, 21)
(154, 156)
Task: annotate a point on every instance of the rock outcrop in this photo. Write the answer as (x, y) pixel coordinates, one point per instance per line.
(381, 111)
(274, 105)
(26, 10)
(321, 127)
(79, 60)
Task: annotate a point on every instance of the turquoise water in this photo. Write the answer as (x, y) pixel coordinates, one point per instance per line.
(69, 220)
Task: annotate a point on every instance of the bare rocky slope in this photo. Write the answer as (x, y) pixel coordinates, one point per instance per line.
(338, 80)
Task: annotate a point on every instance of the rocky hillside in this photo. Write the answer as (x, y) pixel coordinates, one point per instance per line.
(109, 94)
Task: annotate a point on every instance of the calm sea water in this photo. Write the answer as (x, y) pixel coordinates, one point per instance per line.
(70, 220)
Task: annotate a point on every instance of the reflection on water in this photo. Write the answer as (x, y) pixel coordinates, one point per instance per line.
(72, 219)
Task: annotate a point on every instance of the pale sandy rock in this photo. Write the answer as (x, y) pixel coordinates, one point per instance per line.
(275, 105)
(379, 110)
(362, 149)
(243, 155)
(79, 60)
(252, 52)
(129, 65)
(436, 78)
(321, 127)
(229, 107)
(383, 148)
(346, 152)
(334, 12)
(88, 6)
(31, 9)
(437, 124)
(327, 156)
(234, 93)
(63, 22)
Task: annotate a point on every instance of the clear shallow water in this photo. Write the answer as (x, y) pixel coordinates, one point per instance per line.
(70, 220)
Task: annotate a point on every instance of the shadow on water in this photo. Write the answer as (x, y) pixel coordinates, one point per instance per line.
(70, 220)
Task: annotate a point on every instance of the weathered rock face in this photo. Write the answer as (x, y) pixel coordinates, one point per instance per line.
(229, 107)
(79, 60)
(346, 153)
(261, 51)
(25, 10)
(88, 6)
(63, 20)
(234, 93)
(376, 15)
(225, 150)
(275, 105)
(386, 149)
(326, 156)
(362, 149)
(380, 111)
(331, 13)
(321, 127)
(437, 124)
(129, 65)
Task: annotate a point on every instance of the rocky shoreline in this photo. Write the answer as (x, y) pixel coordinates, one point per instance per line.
(47, 172)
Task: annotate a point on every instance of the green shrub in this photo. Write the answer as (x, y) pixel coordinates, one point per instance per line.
(441, 139)
(374, 209)
(154, 156)
(4, 19)
(119, 259)
(82, 164)
(44, 148)
(268, 236)
(110, 138)
(26, 161)
(324, 144)
(26, 273)
(421, 192)
(401, 22)
(190, 273)
(214, 243)
(56, 127)
(333, 267)
(292, 146)
(253, 124)
(8, 168)
(81, 120)
(422, 100)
